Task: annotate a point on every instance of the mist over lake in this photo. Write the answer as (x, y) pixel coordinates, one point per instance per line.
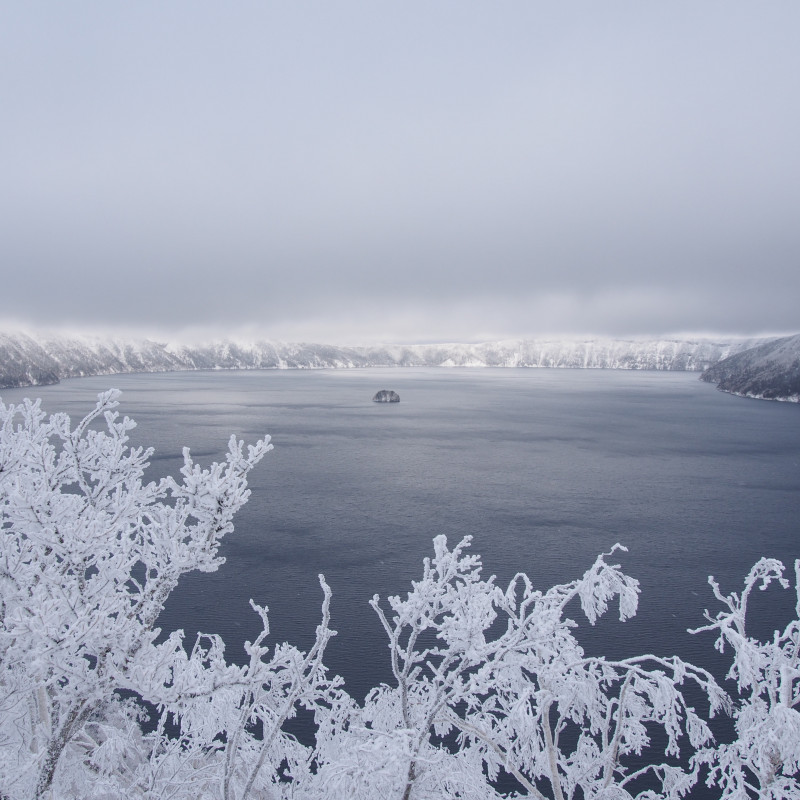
(543, 468)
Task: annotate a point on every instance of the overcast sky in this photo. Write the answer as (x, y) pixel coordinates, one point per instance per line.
(350, 171)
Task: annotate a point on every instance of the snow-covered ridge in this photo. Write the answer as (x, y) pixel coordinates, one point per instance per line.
(31, 360)
(769, 371)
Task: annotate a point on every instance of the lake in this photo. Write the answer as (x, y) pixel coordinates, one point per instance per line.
(543, 468)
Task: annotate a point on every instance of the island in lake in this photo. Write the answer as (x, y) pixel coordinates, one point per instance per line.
(386, 396)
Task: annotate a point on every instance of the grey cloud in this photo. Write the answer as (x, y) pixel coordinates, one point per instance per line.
(356, 169)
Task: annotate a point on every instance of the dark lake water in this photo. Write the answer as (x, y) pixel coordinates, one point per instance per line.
(543, 468)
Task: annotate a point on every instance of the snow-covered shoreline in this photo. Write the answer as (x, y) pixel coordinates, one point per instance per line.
(35, 360)
(768, 371)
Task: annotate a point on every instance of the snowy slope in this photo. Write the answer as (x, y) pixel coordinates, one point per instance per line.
(769, 371)
(30, 359)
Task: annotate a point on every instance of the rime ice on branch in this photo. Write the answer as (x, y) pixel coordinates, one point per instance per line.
(500, 675)
(764, 760)
(89, 555)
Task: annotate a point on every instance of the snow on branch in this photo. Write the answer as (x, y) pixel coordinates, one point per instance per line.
(764, 760)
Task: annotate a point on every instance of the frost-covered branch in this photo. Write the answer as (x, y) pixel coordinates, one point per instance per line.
(487, 680)
(90, 552)
(764, 760)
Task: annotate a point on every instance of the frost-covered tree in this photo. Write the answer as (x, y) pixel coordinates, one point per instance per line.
(89, 554)
(489, 680)
(764, 759)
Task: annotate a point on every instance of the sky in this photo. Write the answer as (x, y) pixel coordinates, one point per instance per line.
(354, 171)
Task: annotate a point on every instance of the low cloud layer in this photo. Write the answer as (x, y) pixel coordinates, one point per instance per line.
(356, 172)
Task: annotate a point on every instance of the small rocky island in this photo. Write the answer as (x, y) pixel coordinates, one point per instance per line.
(386, 396)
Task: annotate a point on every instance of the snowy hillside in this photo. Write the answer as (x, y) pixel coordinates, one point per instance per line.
(30, 360)
(769, 371)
